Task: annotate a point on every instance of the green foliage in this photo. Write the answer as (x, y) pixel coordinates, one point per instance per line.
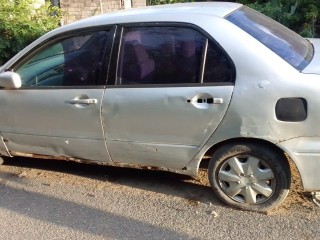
(299, 15)
(160, 2)
(21, 23)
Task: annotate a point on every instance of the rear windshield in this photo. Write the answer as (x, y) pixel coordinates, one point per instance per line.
(290, 46)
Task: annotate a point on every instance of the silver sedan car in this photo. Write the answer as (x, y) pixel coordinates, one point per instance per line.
(167, 87)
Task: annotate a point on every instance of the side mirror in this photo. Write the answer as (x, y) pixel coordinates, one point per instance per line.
(10, 80)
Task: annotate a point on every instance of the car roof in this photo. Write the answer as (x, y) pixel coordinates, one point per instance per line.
(219, 9)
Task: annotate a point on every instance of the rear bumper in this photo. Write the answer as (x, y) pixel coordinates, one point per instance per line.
(305, 152)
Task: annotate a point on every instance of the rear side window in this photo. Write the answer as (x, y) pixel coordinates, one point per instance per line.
(169, 55)
(218, 66)
(290, 46)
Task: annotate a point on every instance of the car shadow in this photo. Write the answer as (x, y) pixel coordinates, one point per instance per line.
(79, 217)
(192, 190)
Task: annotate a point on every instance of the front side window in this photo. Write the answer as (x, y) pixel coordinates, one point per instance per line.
(290, 46)
(72, 61)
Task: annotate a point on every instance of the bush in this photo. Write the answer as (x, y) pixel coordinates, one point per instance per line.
(21, 23)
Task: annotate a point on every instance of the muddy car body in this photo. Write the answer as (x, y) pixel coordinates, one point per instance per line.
(164, 86)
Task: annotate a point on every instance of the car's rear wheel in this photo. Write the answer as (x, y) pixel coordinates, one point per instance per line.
(249, 176)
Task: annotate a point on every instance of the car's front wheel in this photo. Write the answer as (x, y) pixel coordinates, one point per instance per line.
(249, 176)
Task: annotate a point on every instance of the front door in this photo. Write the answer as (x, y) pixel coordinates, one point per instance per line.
(169, 96)
(57, 110)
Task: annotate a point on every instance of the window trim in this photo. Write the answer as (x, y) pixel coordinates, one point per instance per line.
(204, 60)
(172, 85)
(61, 87)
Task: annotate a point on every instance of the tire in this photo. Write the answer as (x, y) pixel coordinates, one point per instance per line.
(249, 176)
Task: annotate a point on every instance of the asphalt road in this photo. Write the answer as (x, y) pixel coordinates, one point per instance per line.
(42, 199)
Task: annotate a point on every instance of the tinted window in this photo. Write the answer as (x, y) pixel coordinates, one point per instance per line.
(294, 49)
(160, 55)
(218, 67)
(73, 61)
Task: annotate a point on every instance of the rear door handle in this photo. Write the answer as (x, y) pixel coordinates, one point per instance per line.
(214, 100)
(207, 100)
(83, 101)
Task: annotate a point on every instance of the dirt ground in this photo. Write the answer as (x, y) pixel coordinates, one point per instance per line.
(52, 173)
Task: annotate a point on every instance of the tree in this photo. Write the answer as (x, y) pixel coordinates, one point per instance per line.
(301, 16)
(21, 23)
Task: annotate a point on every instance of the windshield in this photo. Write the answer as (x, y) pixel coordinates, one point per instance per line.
(290, 46)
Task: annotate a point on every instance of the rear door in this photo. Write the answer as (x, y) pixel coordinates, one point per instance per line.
(172, 88)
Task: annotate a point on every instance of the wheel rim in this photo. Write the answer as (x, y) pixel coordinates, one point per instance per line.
(247, 179)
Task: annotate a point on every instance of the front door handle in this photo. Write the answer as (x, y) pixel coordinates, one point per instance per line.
(83, 101)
